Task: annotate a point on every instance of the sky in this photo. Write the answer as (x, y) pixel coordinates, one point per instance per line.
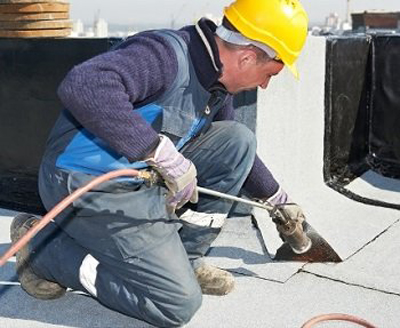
(163, 12)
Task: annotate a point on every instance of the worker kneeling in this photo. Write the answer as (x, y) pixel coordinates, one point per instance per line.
(160, 100)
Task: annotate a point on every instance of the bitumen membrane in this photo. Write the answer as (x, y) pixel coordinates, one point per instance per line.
(267, 293)
(374, 186)
(270, 294)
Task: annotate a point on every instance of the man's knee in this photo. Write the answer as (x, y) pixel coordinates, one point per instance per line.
(246, 137)
(181, 308)
(239, 135)
(241, 141)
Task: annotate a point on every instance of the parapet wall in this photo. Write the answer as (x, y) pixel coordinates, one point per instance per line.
(384, 135)
(347, 93)
(362, 106)
(30, 72)
(344, 111)
(340, 120)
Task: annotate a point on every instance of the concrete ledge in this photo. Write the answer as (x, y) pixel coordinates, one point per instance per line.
(290, 130)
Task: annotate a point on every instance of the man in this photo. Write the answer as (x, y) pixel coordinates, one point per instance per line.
(159, 100)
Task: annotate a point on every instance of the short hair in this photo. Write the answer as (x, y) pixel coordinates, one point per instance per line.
(261, 55)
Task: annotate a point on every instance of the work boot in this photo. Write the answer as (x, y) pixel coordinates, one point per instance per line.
(30, 282)
(214, 281)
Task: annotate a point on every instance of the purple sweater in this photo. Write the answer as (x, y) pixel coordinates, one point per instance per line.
(103, 92)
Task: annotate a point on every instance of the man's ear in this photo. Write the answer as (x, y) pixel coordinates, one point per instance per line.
(247, 58)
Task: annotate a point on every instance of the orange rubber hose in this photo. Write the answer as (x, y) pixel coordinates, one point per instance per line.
(337, 316)
(62, 205)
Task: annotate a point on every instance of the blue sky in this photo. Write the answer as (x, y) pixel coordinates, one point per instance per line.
(187, 11)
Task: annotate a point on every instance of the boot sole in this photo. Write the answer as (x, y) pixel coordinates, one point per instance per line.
(30, 282)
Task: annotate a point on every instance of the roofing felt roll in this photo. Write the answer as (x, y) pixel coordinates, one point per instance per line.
(31, 1)
(35, 25)
(35, 33)
(45, 7)
(33, 16)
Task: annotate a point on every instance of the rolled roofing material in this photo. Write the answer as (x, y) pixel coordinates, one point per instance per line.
(34, 19)
(41, 7)
(15, 17)
(36, 25)
(30, 1)
(34, 33)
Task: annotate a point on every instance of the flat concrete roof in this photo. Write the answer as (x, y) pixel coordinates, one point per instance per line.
(269, 293)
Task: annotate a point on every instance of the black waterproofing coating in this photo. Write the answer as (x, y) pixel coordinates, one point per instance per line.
(346, 107)
(362, 107)
(30, 72)
(384, 137)
(362, 110)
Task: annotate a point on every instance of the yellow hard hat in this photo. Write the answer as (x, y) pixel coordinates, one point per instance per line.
(280, 24)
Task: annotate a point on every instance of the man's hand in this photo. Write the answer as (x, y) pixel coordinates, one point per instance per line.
(286, 212)
(284, 208)
(289, 218)
(178, 173)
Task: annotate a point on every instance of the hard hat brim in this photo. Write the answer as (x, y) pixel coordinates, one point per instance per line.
(293, 70)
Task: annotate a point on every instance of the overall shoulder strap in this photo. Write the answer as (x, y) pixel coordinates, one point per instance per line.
(181, 51)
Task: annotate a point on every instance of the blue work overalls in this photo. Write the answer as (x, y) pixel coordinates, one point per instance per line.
(118, 242)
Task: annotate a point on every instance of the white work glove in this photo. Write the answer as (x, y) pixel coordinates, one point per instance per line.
(280, 200)
(178, 172)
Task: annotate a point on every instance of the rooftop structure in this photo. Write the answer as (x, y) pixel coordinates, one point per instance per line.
(376, 20)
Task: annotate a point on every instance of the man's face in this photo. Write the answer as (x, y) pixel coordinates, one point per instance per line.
(251, 75)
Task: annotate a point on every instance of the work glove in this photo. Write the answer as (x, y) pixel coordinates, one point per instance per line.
(178, 172)
(289, 219)
(284, 207)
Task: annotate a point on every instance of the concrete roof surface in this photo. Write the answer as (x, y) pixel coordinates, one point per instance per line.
(267, 293)
(272, 294)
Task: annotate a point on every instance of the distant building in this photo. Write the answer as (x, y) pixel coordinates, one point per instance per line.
(100, 28)
(333, 21)
(89, 33)
(333, 25)
(375, 20)
(78, 29)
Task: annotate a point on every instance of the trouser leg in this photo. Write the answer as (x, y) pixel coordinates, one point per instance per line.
(148, 287)
(123, 248)
(56, 257)
(223, 156)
